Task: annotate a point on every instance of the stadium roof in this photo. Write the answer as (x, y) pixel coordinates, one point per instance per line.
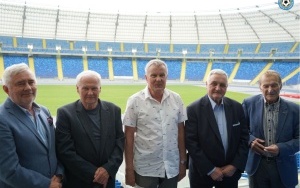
(267, 23)
(141, 6)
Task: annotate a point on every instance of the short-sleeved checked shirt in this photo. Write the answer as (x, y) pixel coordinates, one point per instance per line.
(156, 140)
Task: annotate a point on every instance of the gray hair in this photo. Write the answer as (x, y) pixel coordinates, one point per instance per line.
(13, 70)
(156, 62)
(271, 73)
(217, 71)
(88, 73)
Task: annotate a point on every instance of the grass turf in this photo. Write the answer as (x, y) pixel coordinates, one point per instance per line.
(55, 96)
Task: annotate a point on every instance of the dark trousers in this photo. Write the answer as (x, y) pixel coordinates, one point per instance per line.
(266, 176)
(207, 182)
(155, 182)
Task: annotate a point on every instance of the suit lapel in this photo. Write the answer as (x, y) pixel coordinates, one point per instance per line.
(44, 121)
(211, 118)
(86, 123)
(229, 118)
(105, 122)
(22, 117)
(283, 111)
(259, 111)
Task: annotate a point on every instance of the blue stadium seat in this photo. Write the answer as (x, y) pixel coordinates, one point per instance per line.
(164, 48)
(6, 41)
(226, 66)
(195, 70)
(191, 48)
(249, 69)
(23, 42)
(122, 67)
(129, 46)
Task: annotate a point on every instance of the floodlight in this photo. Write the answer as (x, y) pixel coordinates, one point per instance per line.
(133, 50)
(84, 48)
(58, 47)
(30, 46)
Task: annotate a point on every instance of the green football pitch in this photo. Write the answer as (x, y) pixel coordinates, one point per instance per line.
(55, 96)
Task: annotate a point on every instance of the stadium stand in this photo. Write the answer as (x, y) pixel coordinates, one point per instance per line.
(118, 45)
(249, 69)
(45, 67)
(99, 65)
(244, 43)
(196, 70)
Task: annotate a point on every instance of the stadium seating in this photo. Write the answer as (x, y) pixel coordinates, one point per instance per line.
(45, 67)
(6, 41)
(249, 69)
(226, 66)
(195, 70)
(122, 67)
(71, 66)
(44, 54)
(99, 65)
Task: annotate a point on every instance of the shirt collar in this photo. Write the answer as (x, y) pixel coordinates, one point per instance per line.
(276, 104)
(35, 107)
(213, 103)
(148, 95)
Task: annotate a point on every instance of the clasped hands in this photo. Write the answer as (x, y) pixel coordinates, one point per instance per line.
(101, 176)
(220, 172)
(55, 182)
(258, 146)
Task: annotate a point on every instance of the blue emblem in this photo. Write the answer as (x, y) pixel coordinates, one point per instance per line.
(285, 4)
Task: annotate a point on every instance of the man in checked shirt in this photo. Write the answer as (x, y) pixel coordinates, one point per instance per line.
(274, 136)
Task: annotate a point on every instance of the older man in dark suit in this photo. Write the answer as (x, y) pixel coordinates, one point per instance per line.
(216, 137)
(89, 136)
(27, 149)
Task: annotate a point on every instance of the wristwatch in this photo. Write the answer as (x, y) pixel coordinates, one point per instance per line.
(183, 162)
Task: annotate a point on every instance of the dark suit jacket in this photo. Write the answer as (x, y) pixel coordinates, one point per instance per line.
(287, 137)
(25, 160)
(76, 147)
(203, 140)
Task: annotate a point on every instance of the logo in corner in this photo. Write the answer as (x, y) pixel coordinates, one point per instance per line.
(286, 4)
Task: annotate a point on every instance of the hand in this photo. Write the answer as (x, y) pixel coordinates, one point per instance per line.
(55, 182)
(228, 170)
(130, 177)
(257, 146)
(101, 176)
(217, 174)
(182, 171)
(56, 179)
(272, 149)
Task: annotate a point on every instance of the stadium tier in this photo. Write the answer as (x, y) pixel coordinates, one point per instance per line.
(60, 43)
(61, 66)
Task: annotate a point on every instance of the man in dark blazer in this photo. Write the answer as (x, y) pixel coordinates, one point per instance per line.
(274, 136)
(89, 136)
(27, 150)
(216, 137)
